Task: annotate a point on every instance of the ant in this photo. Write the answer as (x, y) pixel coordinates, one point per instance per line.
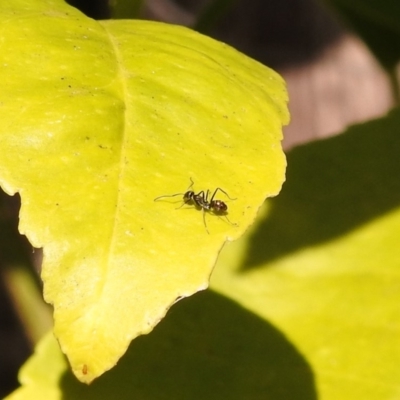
(201, 202)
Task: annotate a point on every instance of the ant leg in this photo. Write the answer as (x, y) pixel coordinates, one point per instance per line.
(226, 194)
(228, 220)
(212, 197)
(204, 221)
(223, 191)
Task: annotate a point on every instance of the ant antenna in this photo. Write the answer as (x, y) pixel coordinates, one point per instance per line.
(187, 196)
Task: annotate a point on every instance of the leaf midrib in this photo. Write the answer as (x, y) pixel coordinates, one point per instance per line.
(122, 164)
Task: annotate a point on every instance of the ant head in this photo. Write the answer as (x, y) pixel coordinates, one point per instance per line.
(188, 196)
(219, 206)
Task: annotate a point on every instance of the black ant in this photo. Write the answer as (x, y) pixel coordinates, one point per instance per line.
(201, 202)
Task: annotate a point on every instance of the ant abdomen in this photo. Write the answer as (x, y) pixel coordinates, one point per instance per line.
(219, 206)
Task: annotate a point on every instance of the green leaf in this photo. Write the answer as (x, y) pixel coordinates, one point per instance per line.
(323, 265)
(378, 23)
(97, 119)
(40, 375)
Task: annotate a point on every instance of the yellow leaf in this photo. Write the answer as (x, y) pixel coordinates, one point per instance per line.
(98, 119)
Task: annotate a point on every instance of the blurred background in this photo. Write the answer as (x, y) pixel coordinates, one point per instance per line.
(332, 78)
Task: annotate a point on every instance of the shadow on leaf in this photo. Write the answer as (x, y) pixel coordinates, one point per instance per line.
(207, 347)
(332, 187)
